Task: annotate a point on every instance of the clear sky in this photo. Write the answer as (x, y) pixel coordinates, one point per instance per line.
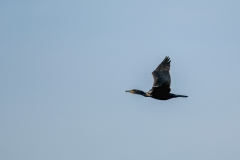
(65, 66)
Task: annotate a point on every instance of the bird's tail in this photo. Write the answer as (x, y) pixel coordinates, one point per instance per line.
(177, 95)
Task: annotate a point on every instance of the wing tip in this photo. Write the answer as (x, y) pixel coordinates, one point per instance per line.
(167, 59)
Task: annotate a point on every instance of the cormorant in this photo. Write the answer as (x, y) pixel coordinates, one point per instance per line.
(161, 85)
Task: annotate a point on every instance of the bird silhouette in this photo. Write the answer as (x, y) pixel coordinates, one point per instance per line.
(161, 85)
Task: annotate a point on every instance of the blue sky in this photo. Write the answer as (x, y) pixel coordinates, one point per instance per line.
(64, 67)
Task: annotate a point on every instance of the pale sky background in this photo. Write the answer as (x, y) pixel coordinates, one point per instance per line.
(65, 66)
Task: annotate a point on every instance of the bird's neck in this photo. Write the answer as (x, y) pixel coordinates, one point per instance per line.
(141, 93)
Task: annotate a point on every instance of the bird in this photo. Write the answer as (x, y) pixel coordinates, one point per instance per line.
(161, 85)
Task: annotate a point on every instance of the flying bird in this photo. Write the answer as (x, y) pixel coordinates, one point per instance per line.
(161, 85)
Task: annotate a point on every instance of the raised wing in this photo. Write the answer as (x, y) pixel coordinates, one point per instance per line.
(161, 74)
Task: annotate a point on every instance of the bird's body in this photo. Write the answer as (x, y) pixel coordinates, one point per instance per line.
(161, 85)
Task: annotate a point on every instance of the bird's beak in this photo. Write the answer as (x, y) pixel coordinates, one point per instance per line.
(130, 91)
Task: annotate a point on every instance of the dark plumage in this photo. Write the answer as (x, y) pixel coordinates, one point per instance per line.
(161, 85)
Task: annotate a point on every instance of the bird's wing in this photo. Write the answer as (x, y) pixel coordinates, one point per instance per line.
(161, 74)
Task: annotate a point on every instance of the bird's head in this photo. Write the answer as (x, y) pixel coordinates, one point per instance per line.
(135, 91)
